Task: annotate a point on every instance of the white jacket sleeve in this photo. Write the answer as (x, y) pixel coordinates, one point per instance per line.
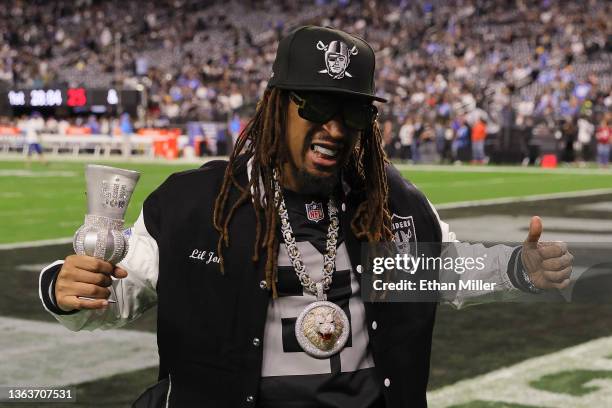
(134, 294)
(498, 262)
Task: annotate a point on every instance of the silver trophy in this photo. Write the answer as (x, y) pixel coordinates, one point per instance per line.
(108, 193)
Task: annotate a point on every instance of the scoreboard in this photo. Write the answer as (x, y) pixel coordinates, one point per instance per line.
(77, 99)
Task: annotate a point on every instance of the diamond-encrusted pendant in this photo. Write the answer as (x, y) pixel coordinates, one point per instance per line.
(322, 329)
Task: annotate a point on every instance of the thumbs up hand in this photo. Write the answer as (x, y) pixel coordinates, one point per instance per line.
(548, 264)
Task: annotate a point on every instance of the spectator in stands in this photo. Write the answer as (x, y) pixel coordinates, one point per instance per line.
(479, 134)
(427, 148)
(105, 126)
(406, 137)
(439, 137)
(416, 139)
(32, 128)
(93, 125)
(198, 64)
(51, 125)
(604, 139)
(585, 136)
(125, 124)
(62, 126)
(508, 122)
(568, 139)
(461, 141)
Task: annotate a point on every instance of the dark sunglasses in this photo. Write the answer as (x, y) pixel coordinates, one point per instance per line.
(321, 108)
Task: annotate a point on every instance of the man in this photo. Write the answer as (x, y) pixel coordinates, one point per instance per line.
(406, 134)
(461, 140)
(479, 134)
(604, 139)
(32, 128)
(236, 253)
(585, 135)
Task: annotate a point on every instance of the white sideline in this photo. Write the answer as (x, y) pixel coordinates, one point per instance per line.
(35, 244)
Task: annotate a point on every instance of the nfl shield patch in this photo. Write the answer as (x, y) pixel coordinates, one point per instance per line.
(314, 211)
(404, 234)
(127, 232)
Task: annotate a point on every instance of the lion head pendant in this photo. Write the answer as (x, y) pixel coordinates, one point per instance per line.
(322, 329)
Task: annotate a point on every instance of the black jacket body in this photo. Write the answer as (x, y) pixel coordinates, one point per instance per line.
(207, 320)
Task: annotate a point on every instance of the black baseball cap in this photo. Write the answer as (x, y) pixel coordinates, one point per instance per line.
(313, 58)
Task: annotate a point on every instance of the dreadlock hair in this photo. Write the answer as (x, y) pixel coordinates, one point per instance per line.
(262, 141)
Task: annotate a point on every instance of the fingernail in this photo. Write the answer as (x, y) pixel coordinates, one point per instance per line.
(105, 303)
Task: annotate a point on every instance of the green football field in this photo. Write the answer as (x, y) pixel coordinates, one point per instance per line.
(46, 202)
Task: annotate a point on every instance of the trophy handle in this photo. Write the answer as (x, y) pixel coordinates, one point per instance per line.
(102, 238)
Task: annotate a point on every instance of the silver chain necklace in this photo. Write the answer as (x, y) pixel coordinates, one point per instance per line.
(322, 328)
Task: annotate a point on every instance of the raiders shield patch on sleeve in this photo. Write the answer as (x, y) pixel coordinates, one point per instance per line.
(404, 234)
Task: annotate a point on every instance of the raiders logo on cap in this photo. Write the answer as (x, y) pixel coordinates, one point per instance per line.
(337, 58)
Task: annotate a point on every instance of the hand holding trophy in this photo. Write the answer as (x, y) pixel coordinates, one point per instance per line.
(99, 243)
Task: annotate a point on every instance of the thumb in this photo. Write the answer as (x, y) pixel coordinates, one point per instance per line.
(535, 230)
(119, 273)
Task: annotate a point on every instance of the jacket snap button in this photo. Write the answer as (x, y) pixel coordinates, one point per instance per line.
(359, 268)
(387, 382)
(374, 325)
(263, 284)
(256, 342)
(343, 207)
(249, 398)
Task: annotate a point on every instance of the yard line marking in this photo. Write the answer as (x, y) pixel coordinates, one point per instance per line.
(512, 384)
(35, 244)
(32, 267)
(11, 194)
(44, 354)
(38, 211)
(30, 173)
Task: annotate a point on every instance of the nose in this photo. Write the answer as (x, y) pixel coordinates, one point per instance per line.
(335, 127)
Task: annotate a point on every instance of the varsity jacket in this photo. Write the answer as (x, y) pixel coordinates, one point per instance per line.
(210, 323)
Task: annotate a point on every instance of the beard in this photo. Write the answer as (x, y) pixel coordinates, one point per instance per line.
(316, 185)
(310, 183)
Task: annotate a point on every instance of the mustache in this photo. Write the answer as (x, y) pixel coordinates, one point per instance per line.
(325, 138)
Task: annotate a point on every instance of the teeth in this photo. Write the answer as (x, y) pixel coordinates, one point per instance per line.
(325, 151)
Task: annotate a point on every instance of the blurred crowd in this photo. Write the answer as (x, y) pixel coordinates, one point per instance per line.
(513, 69)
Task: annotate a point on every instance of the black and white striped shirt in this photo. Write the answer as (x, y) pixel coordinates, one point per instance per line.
(290, 377)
